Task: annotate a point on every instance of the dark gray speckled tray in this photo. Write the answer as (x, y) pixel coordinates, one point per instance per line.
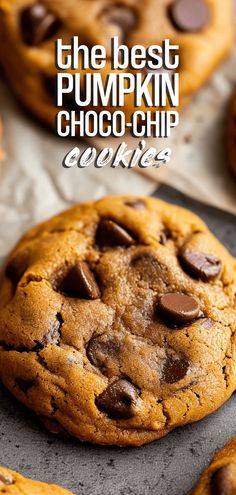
(170, 466)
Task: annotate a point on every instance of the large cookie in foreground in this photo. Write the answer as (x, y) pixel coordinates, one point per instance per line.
(118, 319)
(220, 476)
(203, 29)
(13, 483)
(231, 135)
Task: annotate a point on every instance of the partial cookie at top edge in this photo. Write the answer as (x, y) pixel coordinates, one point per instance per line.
(201, 28)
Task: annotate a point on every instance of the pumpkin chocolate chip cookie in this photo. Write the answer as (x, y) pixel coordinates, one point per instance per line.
(202, 29)
(118, 319)
(220, 476)
(14, 484)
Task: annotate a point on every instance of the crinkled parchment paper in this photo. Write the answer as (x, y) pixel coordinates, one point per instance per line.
(198, 165)
(33, 184)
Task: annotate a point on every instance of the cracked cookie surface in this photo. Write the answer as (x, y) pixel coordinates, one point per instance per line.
(220, 476)
(201, 28)
(13, 483)
(118, 319)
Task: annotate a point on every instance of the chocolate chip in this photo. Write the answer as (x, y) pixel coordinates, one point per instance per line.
(6, 479)
(177, 308)
(37, 24)
(121, 16)
(101, 349)
(189, 15)
(137, 205)
(110, 234)
(204, 266)
(174, 369)
(24, 385)
(17, 266)
(119, 400)
(221, 482)
(80, 282)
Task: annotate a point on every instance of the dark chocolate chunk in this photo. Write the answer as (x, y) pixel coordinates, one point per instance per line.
(102, 348)
(6, 479)
(221, 482)
(204, 266)
(80, 282)
(177, 308)
(17, 267)
(37, 24)
(119, 400)
(121, 16)
(189, 16)
(137, 204)
(110, 234)
(174, 369)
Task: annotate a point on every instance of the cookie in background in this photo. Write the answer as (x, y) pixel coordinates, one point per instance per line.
(202, 29)
(13, 483)
(220, 476)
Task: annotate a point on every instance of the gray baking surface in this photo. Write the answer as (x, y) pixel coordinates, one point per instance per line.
(169, 466)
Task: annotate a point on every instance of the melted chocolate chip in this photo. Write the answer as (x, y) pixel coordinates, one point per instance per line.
(80, 282)
(110, 234)
(101, 349)
(221, 482)
(189, 15)
(137, 204)
(174, 369)
(204, 266)
(121, 16)
(119, 400)
(177, 308)
(24, 385)
(17, 267)
(37, 24)
(6, 479)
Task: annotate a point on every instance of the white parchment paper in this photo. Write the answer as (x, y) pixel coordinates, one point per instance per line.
(34, 185)
(198, 166)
